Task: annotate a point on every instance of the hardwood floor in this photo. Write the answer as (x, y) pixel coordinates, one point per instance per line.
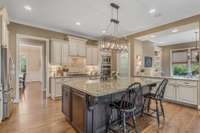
(36, 115)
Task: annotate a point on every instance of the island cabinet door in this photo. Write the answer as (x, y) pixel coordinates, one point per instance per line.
(66, 102)
(79, 111)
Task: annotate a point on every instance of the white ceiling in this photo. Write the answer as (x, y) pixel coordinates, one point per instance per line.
(184, 34)
(61, 15)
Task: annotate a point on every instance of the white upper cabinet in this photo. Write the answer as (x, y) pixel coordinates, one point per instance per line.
(77, 46)
(3, 27)
(59, 52)
(65, 53)
(92, 55)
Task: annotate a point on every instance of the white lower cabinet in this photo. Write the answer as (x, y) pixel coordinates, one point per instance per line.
(56, 87)
(179, 91)
(187, 94)
(182, 91)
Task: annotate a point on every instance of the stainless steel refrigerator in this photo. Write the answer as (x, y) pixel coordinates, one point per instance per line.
(7, 75)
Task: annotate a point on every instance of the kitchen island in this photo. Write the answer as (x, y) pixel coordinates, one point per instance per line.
(85, 103)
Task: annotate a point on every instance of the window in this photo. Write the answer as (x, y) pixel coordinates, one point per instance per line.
(23, 64)
(194, 62)
(184, 63)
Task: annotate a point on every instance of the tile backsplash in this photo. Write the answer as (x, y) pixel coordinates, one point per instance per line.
(76, 65)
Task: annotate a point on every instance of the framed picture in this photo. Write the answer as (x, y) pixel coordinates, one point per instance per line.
(147, 61)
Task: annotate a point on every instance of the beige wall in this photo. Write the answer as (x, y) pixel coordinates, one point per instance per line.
(166, 55)
(142, 49)
(15, 29)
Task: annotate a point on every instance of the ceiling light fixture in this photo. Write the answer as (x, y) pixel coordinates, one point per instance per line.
(78, 23)
(175, 30)
(111, 42)
(27, 7)
(152, 11)
(103, 31)
(152, 36)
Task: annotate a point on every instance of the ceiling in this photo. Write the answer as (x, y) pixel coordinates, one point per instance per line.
(94, 15)
(183, 34)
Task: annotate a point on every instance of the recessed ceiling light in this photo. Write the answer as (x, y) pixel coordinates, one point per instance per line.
(103, 31)
(175, 30)
(27, 7)
(78, 23)
(152, 36)
(152, 11)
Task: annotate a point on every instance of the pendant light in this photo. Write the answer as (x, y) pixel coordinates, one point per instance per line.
(111, 42)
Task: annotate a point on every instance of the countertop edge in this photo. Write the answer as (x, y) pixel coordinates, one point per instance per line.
(162, 77)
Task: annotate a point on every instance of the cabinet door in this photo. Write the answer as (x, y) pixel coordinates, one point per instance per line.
(89, 56)
(72, 48)
(66, 102)
(58, 89)
(81, 48)
(56, 53)
(170, 92)
(65, 51)
(95, 56)
(92, 56)
(187, 94)
(79, 111)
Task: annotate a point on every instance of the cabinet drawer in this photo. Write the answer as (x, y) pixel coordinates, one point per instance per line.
(187, 83)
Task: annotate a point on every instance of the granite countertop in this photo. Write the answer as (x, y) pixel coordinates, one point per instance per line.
(99, 88)
(73, 76)
(170, 77)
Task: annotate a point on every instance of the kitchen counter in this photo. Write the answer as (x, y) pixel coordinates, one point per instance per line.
(170, 77)
(85, 103)
(99, 88)
(75, 76)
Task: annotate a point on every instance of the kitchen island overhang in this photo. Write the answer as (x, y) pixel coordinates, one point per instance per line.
(85, 103)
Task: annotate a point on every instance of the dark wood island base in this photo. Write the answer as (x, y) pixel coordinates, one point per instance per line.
(85, 103)
(87, 114)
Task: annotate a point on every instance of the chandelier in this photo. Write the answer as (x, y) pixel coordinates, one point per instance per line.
(111, 42)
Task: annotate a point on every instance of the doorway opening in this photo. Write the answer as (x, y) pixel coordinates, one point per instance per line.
(32, 65)
(31, 54)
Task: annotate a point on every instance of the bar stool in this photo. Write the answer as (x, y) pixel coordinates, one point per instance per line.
(127, 108)
(157, 97)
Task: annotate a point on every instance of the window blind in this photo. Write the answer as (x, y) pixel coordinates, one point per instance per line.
(180, 56)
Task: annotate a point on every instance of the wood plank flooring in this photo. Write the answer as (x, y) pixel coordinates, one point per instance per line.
(34, 114)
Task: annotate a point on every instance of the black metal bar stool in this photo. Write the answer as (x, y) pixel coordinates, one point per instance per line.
(157, 97)
(131, 102)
